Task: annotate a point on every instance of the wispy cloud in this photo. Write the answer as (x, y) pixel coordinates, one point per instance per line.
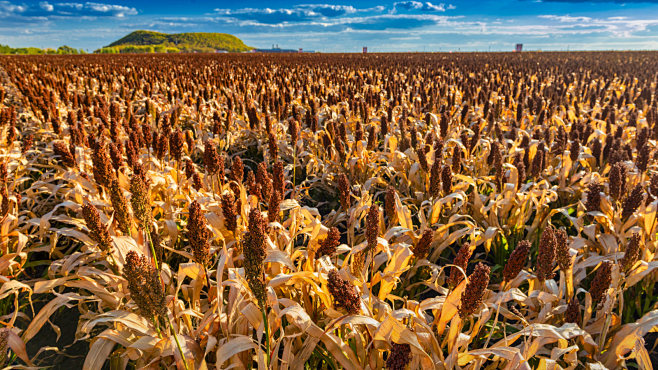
(420, 6)
(46, 10)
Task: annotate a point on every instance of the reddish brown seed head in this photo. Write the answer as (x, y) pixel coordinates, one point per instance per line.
(632, 253)
(601, 282)
(632, 202)
(572, 314)
(399, 357)
(120, 205)
(546, 254)
(211, 158)
(344, 191)
(254, 249)
(446, 180)
(273, 206)
(422, 248)
(474, 291)
(344, 293)
(230, 212)
(198, 234)
(593, 202)
(140, 201)
(97, 231)
(460, 260)
(237, 170)
(562, 250)
(329, 244)
(516, 261)
(144, 285)
(372, 227)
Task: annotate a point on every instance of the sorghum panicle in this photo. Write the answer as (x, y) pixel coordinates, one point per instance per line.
(546, 254)
(102, 166)
(399, 357)
(632, 253)
(344, 293)
(389, 205)
(278, 178)
(140, 201)
(474, 291)
(422, 248)
(516, 260)
(254, 249)
(329, 244)
(120, 205)
(562, 250)
(460, 260)
(97, 231)
(273, 206)
(344, 191)
(572, 314)
(144, 285)
(210, 158)
(446, 180)
(230, 212)
(601, 282)
(593, 202)
(372, 227)
(617, 180)
(632, 202)
(198, 234)
(176, 142)
(65, 156)
(237, 170)
(435, 178)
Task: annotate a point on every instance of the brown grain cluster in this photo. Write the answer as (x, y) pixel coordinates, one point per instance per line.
(399, 357)
(474, 292)
(97, 231)
(198, 234)
(632, 202)
(344, 293)
(329, 244)
(572, 314)
(422, 247)
(140, 201)
(562, 249)
(64, 154)
(632, 252)
(254, 249)
(516, 260)
(601, 282)
(593, 202)
(230, 212)
(144, 285)
(372, 227)
(460, 260)
(546, 254)
(344, 192)
(120, 205)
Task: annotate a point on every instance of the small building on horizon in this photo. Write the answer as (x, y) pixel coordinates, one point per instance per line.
(519, 48)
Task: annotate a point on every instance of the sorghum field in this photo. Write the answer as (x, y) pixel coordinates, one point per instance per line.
(319, 211)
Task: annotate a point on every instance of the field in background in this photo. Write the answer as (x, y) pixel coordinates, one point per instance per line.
(329, 210)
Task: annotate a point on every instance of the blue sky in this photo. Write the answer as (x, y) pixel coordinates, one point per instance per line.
(333, 26)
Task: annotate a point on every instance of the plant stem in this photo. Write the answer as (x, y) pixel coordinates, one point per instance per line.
(155, 257)
(157, 327)
(180, 349)
(267, 334)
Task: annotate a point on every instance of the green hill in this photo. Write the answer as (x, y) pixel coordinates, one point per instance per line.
(149, 41)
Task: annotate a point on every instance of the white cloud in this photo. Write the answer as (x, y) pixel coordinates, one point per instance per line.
(46, 6)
